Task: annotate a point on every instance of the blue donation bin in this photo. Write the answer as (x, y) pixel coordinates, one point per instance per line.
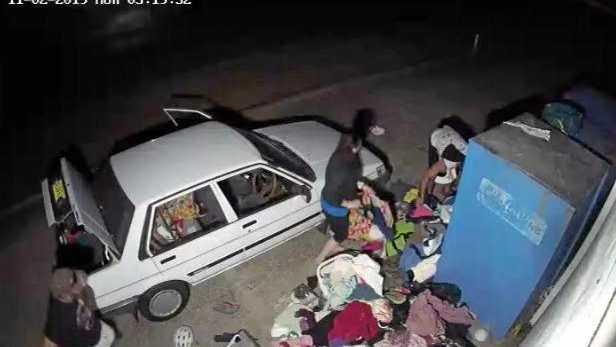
(523, 206)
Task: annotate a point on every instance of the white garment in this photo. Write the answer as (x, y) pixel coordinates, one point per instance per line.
(426, 268)
(445, 136)
(368, 270)
(107, 336)
(450, 173)
(286, 325)
(339, 275)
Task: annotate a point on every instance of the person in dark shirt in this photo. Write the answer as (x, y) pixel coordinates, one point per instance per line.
(71, 319)
(340, 192)
(342, 180)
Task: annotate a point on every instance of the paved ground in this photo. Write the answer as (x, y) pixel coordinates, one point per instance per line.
(409, 103)
(408, 100)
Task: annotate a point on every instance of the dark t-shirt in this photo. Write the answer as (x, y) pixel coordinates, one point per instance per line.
(71, 325)
(341, 176)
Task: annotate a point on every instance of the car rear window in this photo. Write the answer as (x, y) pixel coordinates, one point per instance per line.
(116, 208)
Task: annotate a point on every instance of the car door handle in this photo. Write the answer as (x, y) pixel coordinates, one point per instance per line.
(252, 222)
(168, 259)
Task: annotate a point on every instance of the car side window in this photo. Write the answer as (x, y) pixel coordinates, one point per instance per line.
(184, 218)
(257, 189)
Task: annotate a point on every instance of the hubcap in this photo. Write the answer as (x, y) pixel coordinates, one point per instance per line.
(165, 302)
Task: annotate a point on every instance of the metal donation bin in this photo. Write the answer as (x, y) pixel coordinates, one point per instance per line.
(523, 205)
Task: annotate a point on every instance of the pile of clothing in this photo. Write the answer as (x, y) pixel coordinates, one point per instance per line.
(356, 302)
(370, 225)
(379, 292)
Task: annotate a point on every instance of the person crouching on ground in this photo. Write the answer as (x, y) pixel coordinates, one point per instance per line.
(447, 151)
(71, 318)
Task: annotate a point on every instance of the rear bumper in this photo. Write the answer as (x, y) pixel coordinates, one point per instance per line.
(125, 306)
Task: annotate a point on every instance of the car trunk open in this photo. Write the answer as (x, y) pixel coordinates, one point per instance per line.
(76, 213)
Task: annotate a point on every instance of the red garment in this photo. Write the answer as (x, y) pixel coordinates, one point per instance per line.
(354, 324)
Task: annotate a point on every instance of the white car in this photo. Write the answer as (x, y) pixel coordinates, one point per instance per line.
(179, 209)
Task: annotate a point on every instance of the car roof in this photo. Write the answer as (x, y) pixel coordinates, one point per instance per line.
(165, 165)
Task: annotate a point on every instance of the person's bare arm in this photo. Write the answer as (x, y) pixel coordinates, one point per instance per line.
(351, 203)
(88, 298)
(428, 176)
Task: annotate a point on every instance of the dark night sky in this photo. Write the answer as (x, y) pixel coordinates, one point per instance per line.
(58, 59)
(72, 54)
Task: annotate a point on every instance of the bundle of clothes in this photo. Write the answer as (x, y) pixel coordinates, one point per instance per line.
(379, 293)
(356, 301)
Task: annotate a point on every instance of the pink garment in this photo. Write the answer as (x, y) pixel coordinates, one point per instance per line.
(372, 246)
(303, 341)
(354, 324)
(422, 211)
(401, 339)
(427, 313)
(423, 320)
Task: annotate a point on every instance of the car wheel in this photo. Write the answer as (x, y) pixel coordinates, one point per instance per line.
(164, 301)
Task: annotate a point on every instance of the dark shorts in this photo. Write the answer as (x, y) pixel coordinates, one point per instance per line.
(339, 226)
(432, 155)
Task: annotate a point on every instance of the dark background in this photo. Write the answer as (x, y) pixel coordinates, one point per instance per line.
(60, 58)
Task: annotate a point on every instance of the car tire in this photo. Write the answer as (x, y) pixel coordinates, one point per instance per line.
(164, 301)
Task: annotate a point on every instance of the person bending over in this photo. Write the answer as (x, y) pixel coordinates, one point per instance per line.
(446, 154)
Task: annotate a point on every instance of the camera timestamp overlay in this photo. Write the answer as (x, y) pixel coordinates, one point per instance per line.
(98, 2)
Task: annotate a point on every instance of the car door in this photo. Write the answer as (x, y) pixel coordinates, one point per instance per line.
(190, 234)
(270, 219)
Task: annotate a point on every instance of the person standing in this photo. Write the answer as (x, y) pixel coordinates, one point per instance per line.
(447, 151)
(71, 317)
(343, 172)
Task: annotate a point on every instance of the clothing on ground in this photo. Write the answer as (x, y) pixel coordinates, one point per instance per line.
(338, 277)
(353, 325)
(286, 324)
(382, 310)
(401, 338)
(319, 332)
(428, 313)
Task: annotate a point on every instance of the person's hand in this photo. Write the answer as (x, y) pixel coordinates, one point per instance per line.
(82, 278)
(351, 203)
(368, 190)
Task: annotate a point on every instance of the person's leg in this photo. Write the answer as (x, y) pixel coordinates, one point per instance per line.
(338, 230)
(330, 247)
(432, 159)
(107, 336)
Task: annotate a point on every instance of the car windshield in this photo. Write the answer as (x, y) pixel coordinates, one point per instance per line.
(277, 154)
(116, 208)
